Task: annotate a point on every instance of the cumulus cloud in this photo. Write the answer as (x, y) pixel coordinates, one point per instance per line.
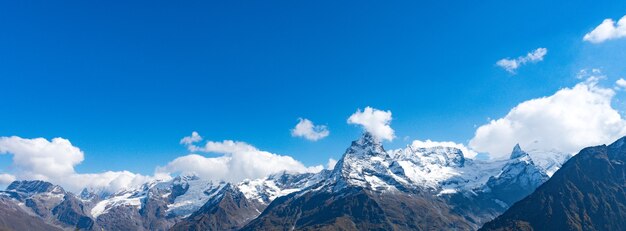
(468, 153)
(238, 161)
(374, 121)
(621, 83)
(6, 179)
(607, 30)
(54, 160)
(511, 65)
(187, 140)
(305, 128)
(567, 121)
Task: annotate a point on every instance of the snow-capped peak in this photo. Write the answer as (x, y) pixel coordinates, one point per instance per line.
(367, 145)
(365, 163)
(519, 170)
(34, 187)
(517, 152)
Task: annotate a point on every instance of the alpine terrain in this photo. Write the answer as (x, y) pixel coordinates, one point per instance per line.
(416, 187)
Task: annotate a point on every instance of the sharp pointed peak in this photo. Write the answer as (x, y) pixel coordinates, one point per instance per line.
(517, 152)
(367, 137)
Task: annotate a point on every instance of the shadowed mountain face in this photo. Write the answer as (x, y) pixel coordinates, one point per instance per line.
(12, 217)
(228, 211)
(587, 193)
(355, 208)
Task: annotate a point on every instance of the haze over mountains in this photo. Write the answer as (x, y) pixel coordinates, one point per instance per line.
(433, 187)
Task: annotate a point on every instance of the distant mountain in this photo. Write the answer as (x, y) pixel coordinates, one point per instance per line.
(236, 205)
(12, 217)
(369, 188)
(407, 189)
(51, 203)
(518, 178)
(550, 161)
(587, 193)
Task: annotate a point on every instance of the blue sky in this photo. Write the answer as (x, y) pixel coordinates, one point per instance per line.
(125, 81)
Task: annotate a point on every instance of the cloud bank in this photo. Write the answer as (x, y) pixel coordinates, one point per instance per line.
(607, 30)
(375, 122)
(567, 121)
(237, 161)
(511, 65)
(306, 129)
(6, 179)
(54, 160)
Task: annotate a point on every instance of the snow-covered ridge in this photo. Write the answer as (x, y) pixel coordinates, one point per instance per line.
(267, 189)
(186, 194)
(440, 169)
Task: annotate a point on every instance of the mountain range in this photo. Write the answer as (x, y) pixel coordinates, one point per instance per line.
(413, 188)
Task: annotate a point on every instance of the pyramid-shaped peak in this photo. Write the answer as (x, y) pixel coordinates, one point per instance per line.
(518, 152)
(367, 138)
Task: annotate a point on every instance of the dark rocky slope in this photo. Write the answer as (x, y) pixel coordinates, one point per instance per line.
(229, 211)
(587, 193)
(13, 217)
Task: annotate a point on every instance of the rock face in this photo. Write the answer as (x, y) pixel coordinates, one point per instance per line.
(410, 189)
(238, 204)
(51, 203)
(587, 193)
(155, 205)
(12, 217)
(228, 211)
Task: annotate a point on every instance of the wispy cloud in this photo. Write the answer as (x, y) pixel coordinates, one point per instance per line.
(607, 30)
(511, 65)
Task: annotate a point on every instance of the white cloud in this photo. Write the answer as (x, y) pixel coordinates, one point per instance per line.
(331, 163)
(305, 128)
(375, 122)
(621, 83)
(607, 30)
(54, 161)
(238, 161)
(569, 120)
(187, 140)
(468, 153)
(511, 65)
(589, 73)
(6, 179)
